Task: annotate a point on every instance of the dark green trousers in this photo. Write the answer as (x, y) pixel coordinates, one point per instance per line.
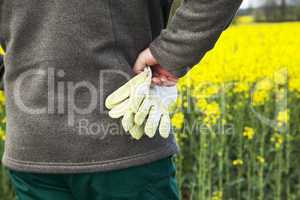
(155, 181)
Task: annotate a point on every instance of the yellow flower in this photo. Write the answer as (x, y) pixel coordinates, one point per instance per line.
(3, 137)
(178, 120)
(2, 97)
(241, 87)
(260, 159)
(248, 133)
(179, 102)
(281, 77)
(260, 97)
(4, 120)
(2, 134)
(202, 103)
(212, 90)
(265, 85)
(213, 109)
(277, 139)
(185, 104)
(218, 195)
(1, 51)
(212, 113)
(283, 117)
(237, 162)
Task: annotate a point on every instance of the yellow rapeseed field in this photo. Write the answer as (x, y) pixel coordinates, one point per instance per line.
(250, 53)
(249, 58)
(238, 116)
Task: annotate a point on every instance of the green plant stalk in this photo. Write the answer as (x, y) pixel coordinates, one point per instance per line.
(261, 168)
(222, 145)
(287, 168)
(179, 161)
(262, 153)
(279, 175)
(227, 178)
(192, 184)
(240, 126)
(211, 154)
(202, 166)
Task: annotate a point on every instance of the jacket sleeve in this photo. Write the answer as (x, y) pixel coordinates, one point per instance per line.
(193, 30)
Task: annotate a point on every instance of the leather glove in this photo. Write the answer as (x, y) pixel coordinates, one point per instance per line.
(153, 112)
(130, 95)
(144, 108)
(137, 132)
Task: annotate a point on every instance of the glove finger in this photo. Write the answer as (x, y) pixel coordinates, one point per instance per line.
(139, 94)
(136, 102)
(152, 121)
(124, 91)
(167, 95)
(143, 111)
(137, 132)
(128, 120)
(165, 126)
(119, 110)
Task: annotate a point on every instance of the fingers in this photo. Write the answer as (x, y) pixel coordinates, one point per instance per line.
(143, 111)
(163, 81)
(139, 94)
(163, 72)
(169, 83)
(163, 77)
(152, 121)
(128, 120)
(144, 59)
(124, 91)
(157, 81)
(165, 126)
(117, 97)
(174, 79)
(119, 110)
(137, 132)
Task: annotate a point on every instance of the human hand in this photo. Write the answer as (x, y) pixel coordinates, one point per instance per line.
(160, 76)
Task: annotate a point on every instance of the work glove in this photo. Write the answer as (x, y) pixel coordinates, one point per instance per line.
(127, 99)
(154, 113)
(144, 108)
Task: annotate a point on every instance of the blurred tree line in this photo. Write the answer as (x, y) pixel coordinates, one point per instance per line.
(278, 10)
(268, 11)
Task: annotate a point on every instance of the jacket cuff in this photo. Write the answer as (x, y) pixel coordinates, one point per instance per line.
(167, 60)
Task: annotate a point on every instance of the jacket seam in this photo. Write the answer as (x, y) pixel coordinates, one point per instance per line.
(107, 162)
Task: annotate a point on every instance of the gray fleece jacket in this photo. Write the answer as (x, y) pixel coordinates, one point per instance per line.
(64, 57)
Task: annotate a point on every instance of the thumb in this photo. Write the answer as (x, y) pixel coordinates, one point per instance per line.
(144, 59)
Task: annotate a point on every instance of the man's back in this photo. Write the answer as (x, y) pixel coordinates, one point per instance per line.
(62, 59)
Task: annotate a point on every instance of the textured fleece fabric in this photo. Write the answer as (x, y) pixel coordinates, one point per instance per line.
(64, 57)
